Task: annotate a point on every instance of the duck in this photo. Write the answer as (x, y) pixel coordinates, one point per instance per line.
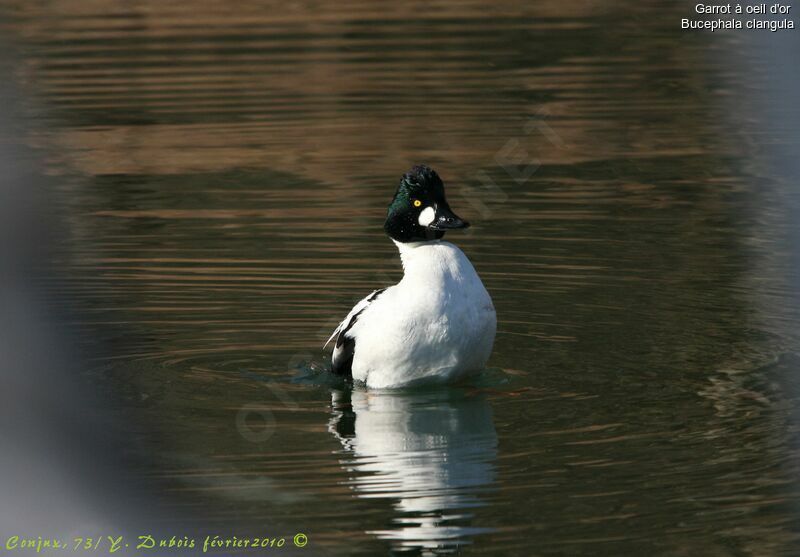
(438, 324)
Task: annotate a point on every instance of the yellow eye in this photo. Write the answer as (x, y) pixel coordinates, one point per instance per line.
(417, 203)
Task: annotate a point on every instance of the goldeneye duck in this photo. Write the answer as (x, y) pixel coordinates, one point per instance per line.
(438, 323)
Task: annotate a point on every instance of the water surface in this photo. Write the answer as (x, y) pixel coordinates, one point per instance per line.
(223, 175)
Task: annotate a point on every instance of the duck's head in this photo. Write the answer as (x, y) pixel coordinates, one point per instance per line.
(419, 211)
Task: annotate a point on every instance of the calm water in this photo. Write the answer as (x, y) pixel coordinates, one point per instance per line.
(223, 172)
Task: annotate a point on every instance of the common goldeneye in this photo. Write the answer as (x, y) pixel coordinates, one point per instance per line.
(438, 323)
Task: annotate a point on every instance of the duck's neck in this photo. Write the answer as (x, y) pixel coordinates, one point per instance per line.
(422, 258)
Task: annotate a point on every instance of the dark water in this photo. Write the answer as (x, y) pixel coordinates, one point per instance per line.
(223, 171)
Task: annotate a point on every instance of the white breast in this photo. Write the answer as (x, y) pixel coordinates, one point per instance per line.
(437, 324)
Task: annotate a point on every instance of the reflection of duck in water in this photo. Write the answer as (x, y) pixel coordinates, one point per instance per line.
(438, 323)
(433, 453)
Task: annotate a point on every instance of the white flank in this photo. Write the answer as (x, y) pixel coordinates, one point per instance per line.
(436, 325)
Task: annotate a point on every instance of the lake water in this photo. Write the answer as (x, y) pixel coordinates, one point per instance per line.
(222, 174)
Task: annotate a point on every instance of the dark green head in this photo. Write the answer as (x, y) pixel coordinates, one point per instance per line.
(419, 210)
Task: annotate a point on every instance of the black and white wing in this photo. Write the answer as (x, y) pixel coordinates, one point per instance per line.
(343, 351)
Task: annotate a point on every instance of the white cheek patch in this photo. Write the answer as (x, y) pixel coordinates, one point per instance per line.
(426, 216)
